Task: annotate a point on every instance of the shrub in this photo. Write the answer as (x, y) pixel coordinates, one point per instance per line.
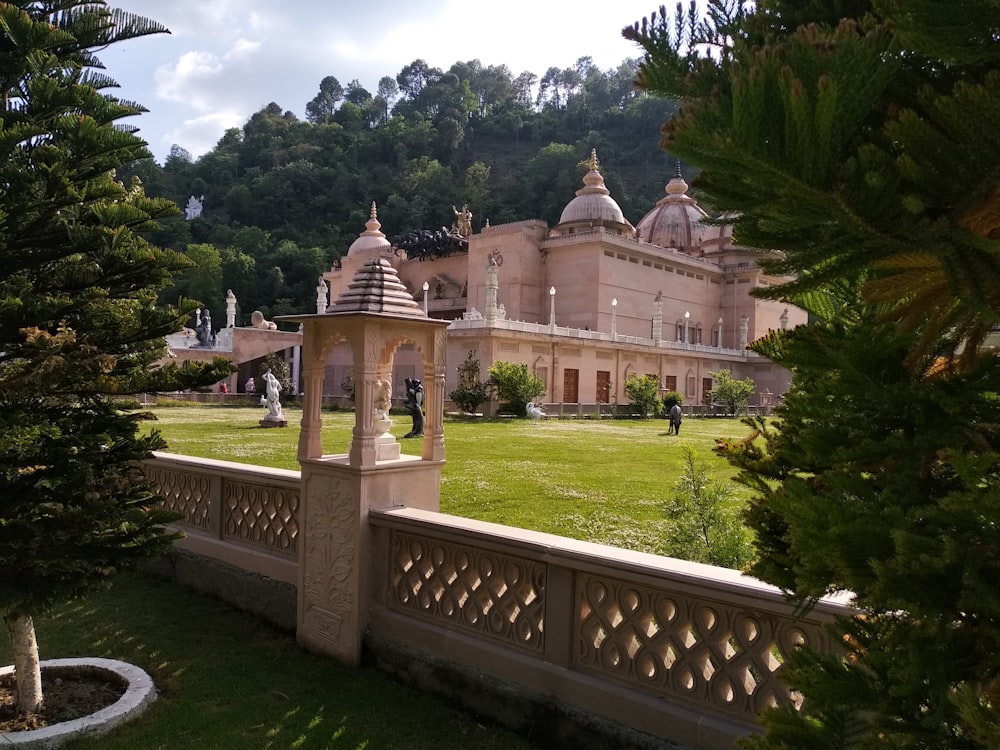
(669, 399)
(515, 385)
(347, 386)
(471, 391)
(733, 395)
(707, 526)
(643, 393)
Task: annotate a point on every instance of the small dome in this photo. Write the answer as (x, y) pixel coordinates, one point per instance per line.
(593, 204)
(371, 241)
(676, 220)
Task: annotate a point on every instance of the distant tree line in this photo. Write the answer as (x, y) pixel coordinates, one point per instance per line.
(285, 197)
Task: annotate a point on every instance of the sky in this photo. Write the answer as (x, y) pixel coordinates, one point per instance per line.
(226, 59)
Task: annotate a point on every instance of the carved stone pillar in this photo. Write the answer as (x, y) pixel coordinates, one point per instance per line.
(375, 315)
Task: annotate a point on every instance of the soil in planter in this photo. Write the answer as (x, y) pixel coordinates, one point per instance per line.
(69, 693)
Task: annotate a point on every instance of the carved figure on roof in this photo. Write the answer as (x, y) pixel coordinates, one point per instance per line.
(230, 308)
(427, 244)
(257, 321)
(322, 296)
(463, 220)
(204, 329)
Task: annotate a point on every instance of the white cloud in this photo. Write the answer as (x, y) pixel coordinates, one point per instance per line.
(200, 134)
(175, 83)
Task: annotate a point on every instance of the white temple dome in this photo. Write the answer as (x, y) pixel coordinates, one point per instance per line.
(370, 242)
(677, 220)
(593, 206)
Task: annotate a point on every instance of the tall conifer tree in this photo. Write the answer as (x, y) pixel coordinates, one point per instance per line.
(858, 139)
(79, 322)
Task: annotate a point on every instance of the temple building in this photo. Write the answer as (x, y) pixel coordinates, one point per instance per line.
(589, 302)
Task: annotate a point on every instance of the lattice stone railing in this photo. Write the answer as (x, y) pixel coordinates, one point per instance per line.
(693, 648)
(239, 503)
(482, 591)
(661, 629)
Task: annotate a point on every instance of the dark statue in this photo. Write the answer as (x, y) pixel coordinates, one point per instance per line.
(204, 330)
(425, 244)
(415, 403)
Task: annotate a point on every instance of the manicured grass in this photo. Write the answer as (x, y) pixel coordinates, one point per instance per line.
(598, 480)
(226, 680)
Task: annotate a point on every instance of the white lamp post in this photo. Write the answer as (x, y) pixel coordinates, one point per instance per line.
(426, 288)
(614, 318)
(687, 317)
(552, 306)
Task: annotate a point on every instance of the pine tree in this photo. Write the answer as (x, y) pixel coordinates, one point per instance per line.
(863, 143)
(863, 149)
(79, 323)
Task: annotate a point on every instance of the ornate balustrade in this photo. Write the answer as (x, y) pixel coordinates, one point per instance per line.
(242, 514)
(546, 329)
(650, 641)
(687, 652)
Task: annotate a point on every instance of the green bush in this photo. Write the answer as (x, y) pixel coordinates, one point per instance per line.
(731, 394)
(643, 392)
(515, 385)
(669, 399)
(471, 391)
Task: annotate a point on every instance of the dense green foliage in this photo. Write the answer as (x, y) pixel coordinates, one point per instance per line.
(516, 386)
(859, 139)
(79, 324)
(283, 198)
(669, 399)
(707, 526)
(731, 394)
(643, 391)
(471, 391)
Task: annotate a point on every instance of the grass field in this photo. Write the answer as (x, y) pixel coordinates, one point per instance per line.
(605, 481)
(225, 680)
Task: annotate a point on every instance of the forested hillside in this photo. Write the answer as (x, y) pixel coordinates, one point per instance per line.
(284, 197)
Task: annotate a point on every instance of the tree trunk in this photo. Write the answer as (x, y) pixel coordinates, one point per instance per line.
(27, 668)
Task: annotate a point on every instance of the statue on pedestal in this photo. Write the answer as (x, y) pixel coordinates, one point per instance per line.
(203, 331)
(382, 402)
(415, 403)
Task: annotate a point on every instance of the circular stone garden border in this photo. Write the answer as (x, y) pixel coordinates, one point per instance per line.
(139, 693)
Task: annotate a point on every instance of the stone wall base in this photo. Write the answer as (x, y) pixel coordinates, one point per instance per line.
(273, 601)
(536, 716)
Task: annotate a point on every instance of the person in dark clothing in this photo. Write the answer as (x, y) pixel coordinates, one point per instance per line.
(675, 420)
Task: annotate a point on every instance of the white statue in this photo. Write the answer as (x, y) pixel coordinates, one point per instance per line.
(382, 398)
(322, 295)
(273, 392)
(193, 208)
(381, 403)
(533, 412)
(230, 308)
(257, 320)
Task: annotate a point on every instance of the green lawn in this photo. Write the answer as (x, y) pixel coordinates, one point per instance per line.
(226, 680)
(598, 480)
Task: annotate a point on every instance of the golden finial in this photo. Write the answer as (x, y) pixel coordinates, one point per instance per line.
(374, 213)
(593, 164)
